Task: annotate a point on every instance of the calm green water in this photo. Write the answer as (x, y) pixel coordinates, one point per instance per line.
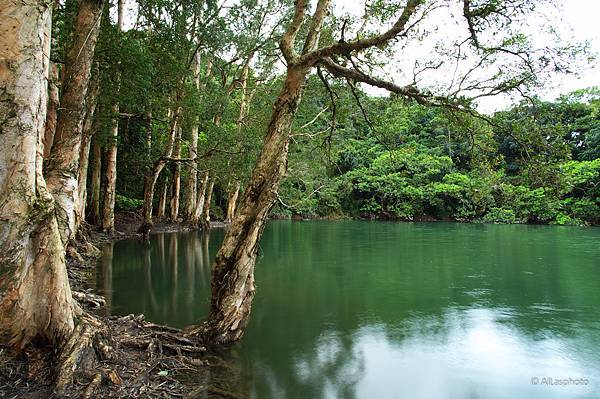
(390, 310)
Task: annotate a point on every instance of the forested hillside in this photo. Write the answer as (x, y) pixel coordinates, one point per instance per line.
(534, 163)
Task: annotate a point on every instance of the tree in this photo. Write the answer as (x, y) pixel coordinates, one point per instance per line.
(38, 213)
(233, 272)
(176, 44)
(110, 191)
(61, 170)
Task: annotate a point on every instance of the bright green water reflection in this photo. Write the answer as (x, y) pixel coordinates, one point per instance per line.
(386, 310)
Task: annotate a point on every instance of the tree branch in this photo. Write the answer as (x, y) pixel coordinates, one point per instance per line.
(287, 40)
(314, 31)
(345, 48)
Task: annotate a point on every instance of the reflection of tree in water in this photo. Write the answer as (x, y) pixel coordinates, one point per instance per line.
(168, 280)
(190, 273)
(331, 307)
(221, 378)
(164, 285)
(147, 256)
(174, 258)
(104, 277)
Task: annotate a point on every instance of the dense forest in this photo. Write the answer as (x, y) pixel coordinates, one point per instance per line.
(534, 163)
(184, 112)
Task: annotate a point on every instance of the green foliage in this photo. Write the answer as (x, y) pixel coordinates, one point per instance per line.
(421, 162)
(500, 215)
(125, 204)
(538, 162)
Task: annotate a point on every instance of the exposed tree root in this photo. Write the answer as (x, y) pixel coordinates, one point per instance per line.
(95, 301)
(78, 353)
(140, 360)
(135, 358)
(92, 386)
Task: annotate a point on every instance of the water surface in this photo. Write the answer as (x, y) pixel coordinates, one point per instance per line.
(390, 310)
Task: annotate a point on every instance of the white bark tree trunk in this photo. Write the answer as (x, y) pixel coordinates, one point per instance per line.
(176, 179)
(86, 141)
(110, 191)
(207, 202)
(192, 174)
(96, 183)
(200, 201)
(232, 201)
(62, 167)
(162, 201)
(108, 208)
(35, 297)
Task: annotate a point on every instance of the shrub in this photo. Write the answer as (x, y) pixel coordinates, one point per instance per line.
(500, 215)
(125, 204)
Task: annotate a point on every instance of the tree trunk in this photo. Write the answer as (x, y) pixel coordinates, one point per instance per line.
(88, 131)
(232, 278)
(149, 188)
(176, 179)
(162, 201)
(192, 174)
(233, 194)
(62, 169)
(108, 212)
(53, 104)
(200, 201)
(232, 202)
(96, 183)
(110, 175)
(35, 297)
(207, 202)
(151, 176)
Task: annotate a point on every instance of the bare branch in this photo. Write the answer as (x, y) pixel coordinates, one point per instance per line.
(313, 120)
(405, 91)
